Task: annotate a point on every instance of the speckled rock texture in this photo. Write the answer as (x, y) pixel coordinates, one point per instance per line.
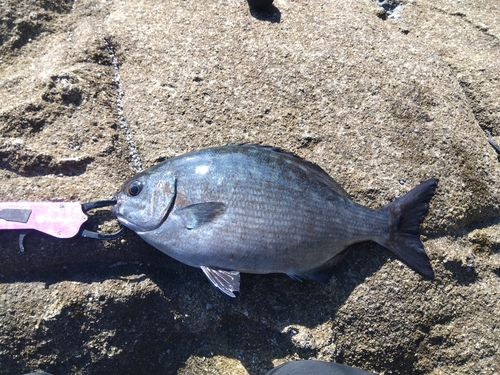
(381, 94)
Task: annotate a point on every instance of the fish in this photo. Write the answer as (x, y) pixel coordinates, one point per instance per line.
(245, 208)
(316, 368)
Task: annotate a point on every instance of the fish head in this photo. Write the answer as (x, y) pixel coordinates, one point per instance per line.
(145, 200)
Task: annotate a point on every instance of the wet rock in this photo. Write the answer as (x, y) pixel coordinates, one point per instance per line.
(380, 103)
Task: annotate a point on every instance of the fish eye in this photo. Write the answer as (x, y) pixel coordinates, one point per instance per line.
(135, 188)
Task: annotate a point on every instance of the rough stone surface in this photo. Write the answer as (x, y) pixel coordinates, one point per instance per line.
(382, 95)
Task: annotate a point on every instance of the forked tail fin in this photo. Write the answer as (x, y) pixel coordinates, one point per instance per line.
(406, 213)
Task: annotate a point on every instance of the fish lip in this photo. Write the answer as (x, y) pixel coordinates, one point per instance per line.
(116, 206)
(126, 223)
(115, 210)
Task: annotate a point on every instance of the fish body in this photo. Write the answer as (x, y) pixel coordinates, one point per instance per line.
(257, 209)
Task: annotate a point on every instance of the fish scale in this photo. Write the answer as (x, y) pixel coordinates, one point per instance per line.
(257, 209)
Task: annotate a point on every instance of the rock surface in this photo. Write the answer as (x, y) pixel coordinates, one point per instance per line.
(92, 92)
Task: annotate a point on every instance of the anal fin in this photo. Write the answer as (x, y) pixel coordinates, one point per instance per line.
(228, 282)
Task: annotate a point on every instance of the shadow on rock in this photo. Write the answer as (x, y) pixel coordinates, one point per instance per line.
(44, 253)
(271, 316)
(464, 275)
(157, 313)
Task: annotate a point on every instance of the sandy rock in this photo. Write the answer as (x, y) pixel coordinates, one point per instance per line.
(382, 95)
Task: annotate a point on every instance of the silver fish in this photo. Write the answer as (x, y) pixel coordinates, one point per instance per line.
(258, 209)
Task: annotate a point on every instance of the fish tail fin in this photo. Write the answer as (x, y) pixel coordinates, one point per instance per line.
(406, 214)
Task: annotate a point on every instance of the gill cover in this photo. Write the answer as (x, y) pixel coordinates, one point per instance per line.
(144, 203)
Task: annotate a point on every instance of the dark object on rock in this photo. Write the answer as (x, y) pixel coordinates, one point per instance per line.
(257, 209)
(316, 368)
(259, 4)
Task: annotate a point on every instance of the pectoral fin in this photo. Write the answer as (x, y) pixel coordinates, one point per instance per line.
(200, 213)
(227, 282)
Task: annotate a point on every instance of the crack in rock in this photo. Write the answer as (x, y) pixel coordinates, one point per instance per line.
(479, 26)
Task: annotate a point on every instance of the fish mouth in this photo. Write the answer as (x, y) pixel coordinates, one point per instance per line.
(130, 225)
(115, 210)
